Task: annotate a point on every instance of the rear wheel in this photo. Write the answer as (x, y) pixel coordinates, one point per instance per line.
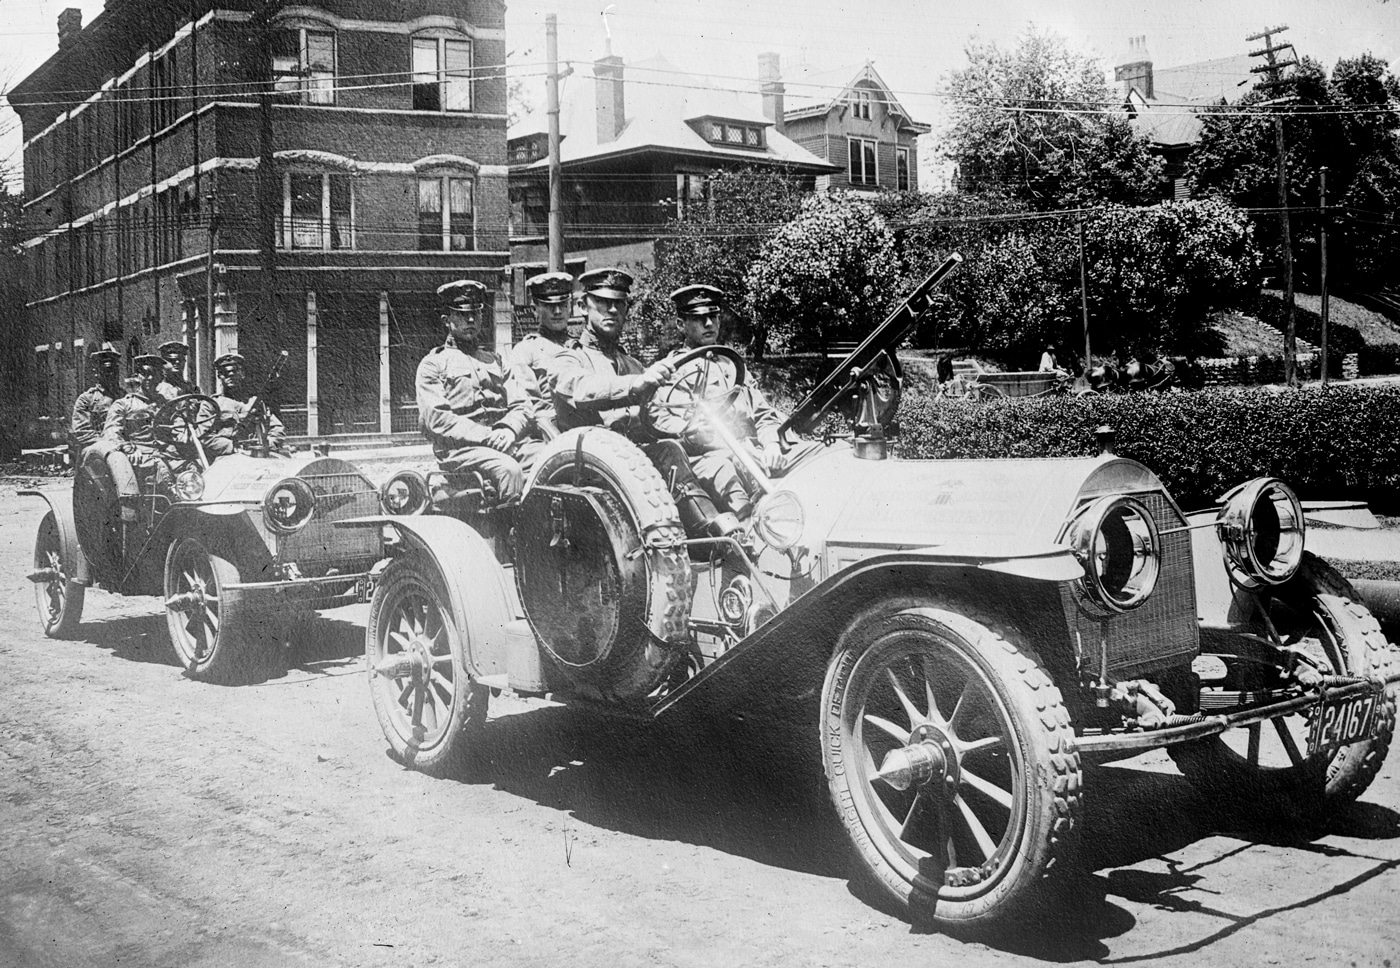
(1317, 614)
(952, 763)
(430, 710)
(58, 597)
(212, 626)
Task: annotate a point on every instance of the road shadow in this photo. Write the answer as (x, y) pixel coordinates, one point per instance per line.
(133, 638)
(756, 790)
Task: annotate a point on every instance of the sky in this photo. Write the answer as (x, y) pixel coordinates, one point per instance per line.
(913, 44)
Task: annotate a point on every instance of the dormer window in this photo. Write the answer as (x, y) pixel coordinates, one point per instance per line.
(732, 134)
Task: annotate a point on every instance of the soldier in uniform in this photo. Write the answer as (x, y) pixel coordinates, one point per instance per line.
(747, 414)
(129, 430)
(551, 294)
(470, 405)
(90, 409)
(596, 382)
(175, 354)
(237, 423)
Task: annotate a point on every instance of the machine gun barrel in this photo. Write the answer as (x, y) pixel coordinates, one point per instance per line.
(848, 375)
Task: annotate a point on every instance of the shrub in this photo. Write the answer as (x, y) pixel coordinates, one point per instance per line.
(1308, 325)
(1342, 442)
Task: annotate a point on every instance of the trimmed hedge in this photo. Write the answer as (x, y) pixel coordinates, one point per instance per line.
(1339, 443)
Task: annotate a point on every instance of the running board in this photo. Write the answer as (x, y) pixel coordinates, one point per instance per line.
(1150, 739)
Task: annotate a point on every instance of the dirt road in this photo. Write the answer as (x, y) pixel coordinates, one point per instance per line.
(148, 820)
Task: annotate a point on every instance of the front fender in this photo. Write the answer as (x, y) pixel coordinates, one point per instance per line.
(60, 503)
(476, 584)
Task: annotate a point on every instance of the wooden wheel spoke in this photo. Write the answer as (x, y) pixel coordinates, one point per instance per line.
(988, 789)
(1290, 746)
(403, 693)
(898, 733)
(1253, 753)
(930, 674)
(975, 827)
(915, 715)
(398, 638)
(916, 810)
(444, 687)
(978, 745)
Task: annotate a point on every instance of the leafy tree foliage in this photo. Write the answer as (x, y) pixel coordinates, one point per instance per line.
(13, 319)
(715, 244)
(1033, 123)
(828, 275)
(1348, 122)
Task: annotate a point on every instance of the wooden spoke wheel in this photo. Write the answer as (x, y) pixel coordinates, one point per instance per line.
(58, 597)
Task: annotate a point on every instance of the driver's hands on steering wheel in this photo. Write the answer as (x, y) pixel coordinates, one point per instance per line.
(653, 376)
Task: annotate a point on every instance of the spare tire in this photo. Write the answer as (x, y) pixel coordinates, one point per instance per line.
(602, 567)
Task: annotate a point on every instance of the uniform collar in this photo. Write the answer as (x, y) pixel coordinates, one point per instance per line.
(589, 340)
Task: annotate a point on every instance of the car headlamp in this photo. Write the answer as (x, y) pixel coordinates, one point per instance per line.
(779, 520)
(189, 485)
(405, 493)
(289, 505)
(1261, 532)
(1116, 540)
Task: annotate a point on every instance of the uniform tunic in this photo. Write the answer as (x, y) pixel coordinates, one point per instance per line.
(89, 416)
(130, 421)
(226, 437)
(461, 398)
(594, 386)
(174, 386)
(532, 359)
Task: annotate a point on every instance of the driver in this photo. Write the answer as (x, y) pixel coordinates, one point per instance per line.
(596, 382)
(129, 427)
(470, 405)
(747, 414)
(173, 384)
(239, 409)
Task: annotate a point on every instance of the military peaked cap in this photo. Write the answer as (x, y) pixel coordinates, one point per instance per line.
(174, 346)
(463, 295)
(228, 361)
(149, 361)
(550, 287)
(607, 283)
(104, 354)
(697, 300)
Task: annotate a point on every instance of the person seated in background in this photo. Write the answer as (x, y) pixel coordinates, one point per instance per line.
(137, 461)
(551, 294)
(1048, 363)
(746, 413)
(90, 409)
(174, 384)
(471, 407)
(240, 412)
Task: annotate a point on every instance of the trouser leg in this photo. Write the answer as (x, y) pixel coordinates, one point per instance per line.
(119, 466)
(716, 473)
(500, 469)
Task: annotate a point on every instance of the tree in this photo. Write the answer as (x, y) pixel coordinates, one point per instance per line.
(714, 243)
(1039, 123)
(1348, 122)
(828, 275)
(13, 317)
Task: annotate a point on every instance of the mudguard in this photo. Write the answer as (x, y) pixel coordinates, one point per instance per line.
(475, 582)
(61, 506)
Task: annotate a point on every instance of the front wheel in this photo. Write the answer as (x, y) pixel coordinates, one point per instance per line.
(429, 708)
(951, 760)
(1317, 614)
(58, 597)
(212, 626)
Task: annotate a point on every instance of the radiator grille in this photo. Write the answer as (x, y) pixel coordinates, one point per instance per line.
(320, 545)
(1164, 630)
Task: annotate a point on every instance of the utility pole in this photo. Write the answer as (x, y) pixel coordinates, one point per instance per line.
(1084, 298)
(556, 175)
(1274, 67)
(1322, 279)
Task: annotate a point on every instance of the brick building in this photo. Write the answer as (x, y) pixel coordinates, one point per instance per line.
(263, 176)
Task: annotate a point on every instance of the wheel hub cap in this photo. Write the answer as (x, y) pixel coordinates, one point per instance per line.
(928, 759)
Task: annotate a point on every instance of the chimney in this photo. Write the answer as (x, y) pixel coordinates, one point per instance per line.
(1135, 69)
(771, 86)
(612, 117)
(70, 24)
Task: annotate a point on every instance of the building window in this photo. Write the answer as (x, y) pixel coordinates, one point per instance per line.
(692, 194)
(446, 227)
(732, 135)
(303, 65)
(860, 104)
(318, 212)
(863, 162)
(901, 169)
(442, 74)
(165, 96)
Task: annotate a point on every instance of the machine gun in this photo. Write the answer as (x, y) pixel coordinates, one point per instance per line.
(857, 376)
(257, 407)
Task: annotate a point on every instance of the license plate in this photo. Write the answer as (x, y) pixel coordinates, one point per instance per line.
(1341, 722)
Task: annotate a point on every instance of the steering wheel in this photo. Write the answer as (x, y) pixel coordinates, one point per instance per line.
(185, 419)
(690, 387)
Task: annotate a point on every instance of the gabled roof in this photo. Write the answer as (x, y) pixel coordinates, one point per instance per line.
(1168, 118)
(658, 101)
(808, 92)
